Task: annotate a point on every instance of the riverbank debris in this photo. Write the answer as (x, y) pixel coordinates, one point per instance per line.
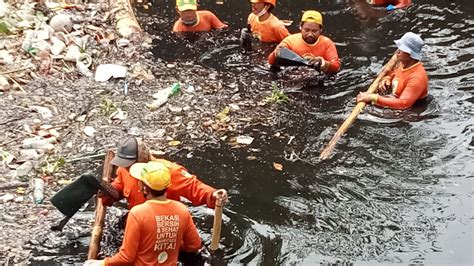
(278, 166)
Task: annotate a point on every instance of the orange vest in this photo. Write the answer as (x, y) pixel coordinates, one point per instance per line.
(182, 184)
(270, 30)
(408, 86)
(155, 233)
(323, 47)
(206, 21)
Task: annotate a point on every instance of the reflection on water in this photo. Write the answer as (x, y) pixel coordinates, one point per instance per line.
(398, 188)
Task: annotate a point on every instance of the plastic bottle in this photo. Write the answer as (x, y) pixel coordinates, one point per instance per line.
(28, 41)
(38, 142)
(38, 192)
(161, 96)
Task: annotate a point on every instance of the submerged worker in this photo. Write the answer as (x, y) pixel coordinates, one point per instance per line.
(192, 20)
(183, 184)
(311, 44)
(408, 82)
(262, 24)
(160, 228)
(390, 4)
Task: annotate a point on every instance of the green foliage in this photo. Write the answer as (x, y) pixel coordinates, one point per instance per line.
(4, 27)
(49, 168)
(107, 106)
(277, 96)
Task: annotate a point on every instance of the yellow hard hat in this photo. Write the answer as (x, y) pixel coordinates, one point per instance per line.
(183, 5)
(312, 16)
(271, 2)
(153, 174)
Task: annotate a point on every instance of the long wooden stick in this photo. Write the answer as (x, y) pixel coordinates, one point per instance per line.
(126, 22)
(216, 228)
(358, 108)
(94, 245)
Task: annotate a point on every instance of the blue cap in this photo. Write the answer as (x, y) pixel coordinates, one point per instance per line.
(411, 43)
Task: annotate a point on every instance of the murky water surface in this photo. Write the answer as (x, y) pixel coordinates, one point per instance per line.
(399, 187)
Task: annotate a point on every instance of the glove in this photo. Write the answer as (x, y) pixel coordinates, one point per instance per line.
(391, 8)
(319, 63)
(316, 62)
(245, 35)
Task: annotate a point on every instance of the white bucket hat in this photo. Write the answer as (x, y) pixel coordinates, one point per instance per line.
(411, 43)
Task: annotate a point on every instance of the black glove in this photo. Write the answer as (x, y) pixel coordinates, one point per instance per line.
(245, 35)
(316, 63)
(246, 38)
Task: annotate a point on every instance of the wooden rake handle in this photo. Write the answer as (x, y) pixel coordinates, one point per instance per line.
(94, 245)
(358, 108)
(216, 228)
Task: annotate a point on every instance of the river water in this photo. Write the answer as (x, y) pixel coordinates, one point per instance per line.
(399, 186)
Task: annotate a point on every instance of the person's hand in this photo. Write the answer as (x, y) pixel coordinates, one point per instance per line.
(245, 35)
(223, 195)
(94, 263)
(319, 63)
(277, 51)
(385, 84)
(363, 97)
(367, 97)
(316, 62)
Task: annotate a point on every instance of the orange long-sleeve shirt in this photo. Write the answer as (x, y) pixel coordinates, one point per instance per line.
(323, 47)
(206, 21)
(396, 3)
(182, 184)
(408, 86)
(155, 233)
(269, 30)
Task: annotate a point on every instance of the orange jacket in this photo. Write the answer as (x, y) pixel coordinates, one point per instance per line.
(270, 30)
(206, 21)
(408, 86)
(396, 3)
(155, 233)
(182, 184)
(323, 47)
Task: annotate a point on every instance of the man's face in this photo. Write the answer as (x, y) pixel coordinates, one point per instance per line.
(189, 17)
(257, 7)
(310, 31)
(403, 57)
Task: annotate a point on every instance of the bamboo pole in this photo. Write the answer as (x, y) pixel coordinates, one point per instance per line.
(216, 228)
(94, 245)
(358, 108)
(126, 22)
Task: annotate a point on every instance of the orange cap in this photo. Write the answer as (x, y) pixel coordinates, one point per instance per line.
(271, 2)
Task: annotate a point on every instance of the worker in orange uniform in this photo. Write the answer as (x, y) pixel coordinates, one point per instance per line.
(262, 24)
(311, 44)
(192, 20)
(182, 182)
(408, 82)
(158, 229)
(390, 4)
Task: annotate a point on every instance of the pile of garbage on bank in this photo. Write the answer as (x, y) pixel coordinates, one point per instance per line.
(51, 38)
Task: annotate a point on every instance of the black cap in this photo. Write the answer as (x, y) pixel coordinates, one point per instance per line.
(127, 153)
